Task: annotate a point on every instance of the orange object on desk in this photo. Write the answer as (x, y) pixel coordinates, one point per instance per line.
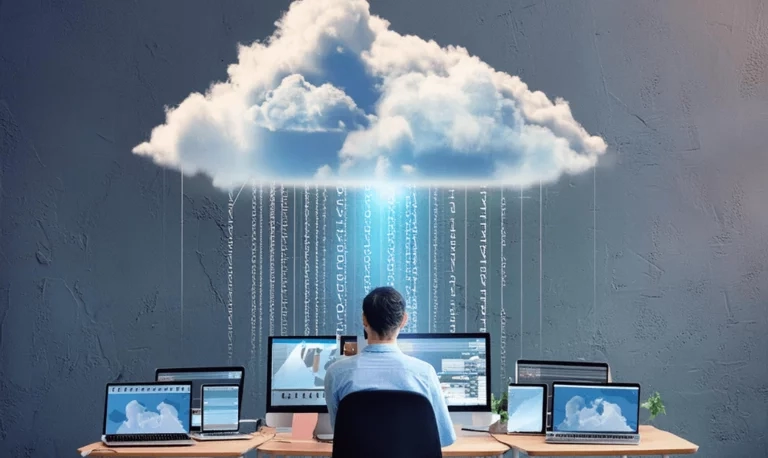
(303, 426)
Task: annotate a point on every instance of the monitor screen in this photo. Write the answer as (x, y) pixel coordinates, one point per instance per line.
(596, 408)
(461, 363)
(525, 408)
(150, 408)
(200, 376)
(296, 374)
(221, 408)
(547, 372)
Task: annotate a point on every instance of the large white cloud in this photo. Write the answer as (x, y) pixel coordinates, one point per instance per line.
(582, 417)
(290, 112)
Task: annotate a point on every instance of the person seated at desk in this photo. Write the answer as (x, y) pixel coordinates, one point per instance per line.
(382, 366)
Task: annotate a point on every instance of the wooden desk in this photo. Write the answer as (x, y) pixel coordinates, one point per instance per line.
(200, 449)
(652, 442)
(283, 445)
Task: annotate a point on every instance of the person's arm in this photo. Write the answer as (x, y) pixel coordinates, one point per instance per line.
(444, 423)
(330, 397)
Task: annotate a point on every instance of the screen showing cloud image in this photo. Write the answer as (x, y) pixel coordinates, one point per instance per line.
(147, 409)
(298, 370)
(525, 407)
(585, 408)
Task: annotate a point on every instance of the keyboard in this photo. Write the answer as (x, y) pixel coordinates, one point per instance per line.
(146, 440)
(590, 438)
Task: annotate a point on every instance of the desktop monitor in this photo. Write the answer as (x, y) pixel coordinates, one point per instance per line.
(200, 376)
(596, 408)
(296, 372)
(547, 372)
(462, 363)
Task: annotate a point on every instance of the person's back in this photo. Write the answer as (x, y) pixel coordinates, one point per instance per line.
(382, 366)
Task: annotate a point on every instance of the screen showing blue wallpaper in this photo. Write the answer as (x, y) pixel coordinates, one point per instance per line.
(147, 409)
(590, 408)
(525, 407)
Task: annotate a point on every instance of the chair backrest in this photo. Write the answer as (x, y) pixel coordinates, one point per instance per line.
(386, 424)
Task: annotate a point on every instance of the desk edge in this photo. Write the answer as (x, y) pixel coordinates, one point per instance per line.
(99, 446)
(679, 451)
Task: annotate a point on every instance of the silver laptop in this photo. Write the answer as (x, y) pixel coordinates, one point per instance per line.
(589, 413)
(220, 414)
(147, 414)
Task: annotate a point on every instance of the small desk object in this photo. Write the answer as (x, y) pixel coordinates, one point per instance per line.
(233, 449)
(652, 442)
(284, 445)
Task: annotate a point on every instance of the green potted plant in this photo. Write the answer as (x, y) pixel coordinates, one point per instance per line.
(499, 409)
(654, 405)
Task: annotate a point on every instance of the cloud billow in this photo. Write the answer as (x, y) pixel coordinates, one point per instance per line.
(334, 96)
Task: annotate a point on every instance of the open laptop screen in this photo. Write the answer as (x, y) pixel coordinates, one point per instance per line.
(147, 408)
(583, 408)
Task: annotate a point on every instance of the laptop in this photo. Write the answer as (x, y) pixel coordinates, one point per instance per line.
(220, 414)
(147, 414)
(595, 413)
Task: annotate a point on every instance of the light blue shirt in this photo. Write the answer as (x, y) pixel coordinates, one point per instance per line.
(385, 367)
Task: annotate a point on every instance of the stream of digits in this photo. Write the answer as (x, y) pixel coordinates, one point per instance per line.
(445, 250)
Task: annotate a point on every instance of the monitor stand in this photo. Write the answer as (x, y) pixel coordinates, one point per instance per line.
(279, 420)
(284, 421)
(476, 419)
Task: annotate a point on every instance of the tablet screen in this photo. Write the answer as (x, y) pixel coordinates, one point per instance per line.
(525, 407)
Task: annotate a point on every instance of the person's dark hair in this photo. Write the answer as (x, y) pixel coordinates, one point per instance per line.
(384, 309)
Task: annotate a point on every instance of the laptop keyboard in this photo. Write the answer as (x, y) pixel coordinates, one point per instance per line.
(146, 437)
(595, 437)
(219, 433)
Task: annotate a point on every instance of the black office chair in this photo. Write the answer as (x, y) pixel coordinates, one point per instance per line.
(386, 424)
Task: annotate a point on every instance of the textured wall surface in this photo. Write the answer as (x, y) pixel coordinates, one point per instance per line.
(655, 263)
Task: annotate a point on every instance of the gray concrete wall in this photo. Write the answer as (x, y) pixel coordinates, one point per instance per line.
(655, 263)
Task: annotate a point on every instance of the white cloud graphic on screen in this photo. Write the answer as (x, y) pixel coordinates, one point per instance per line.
(141, 420)
(335, 96)
(582, 417)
